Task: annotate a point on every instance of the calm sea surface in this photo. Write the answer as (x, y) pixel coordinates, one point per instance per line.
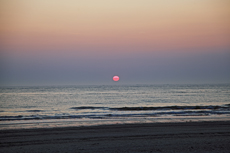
(59, 106)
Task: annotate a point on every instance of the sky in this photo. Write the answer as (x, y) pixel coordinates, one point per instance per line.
(77, 42)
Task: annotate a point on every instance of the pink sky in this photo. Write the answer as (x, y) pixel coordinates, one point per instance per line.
(164, 25)
(105, 28)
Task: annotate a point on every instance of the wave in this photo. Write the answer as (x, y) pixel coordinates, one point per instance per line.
(34, 110)
(169, 108)
(88, 107)
(106, 116)
(127, 112)
(210, 107)
(114, 115)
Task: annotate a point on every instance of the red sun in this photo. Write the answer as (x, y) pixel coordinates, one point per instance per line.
(116, 78)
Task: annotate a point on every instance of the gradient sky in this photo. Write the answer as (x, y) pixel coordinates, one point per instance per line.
(68, 42)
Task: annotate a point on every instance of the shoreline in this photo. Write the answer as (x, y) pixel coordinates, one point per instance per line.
(62, 123)
(205, 136)
(119, 125)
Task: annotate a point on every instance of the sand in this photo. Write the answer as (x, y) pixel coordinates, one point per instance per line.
(155, 137)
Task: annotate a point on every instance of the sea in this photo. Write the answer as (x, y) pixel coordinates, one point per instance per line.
(24, 107)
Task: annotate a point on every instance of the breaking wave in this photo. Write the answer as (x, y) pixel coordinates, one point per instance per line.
(92, 112)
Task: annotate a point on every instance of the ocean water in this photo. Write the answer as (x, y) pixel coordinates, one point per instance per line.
(60, 106)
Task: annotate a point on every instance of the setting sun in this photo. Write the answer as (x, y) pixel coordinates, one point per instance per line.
(116, 78)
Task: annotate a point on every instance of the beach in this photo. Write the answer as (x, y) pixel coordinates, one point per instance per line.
(153, 137)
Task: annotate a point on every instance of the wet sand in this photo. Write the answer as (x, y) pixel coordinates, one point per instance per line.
(155, 137)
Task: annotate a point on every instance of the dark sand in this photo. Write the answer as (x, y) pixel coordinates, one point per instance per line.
(156, 137)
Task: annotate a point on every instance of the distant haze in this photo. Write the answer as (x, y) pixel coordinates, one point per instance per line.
(48, 42)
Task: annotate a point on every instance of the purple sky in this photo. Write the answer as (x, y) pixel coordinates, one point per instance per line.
(45, 42)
